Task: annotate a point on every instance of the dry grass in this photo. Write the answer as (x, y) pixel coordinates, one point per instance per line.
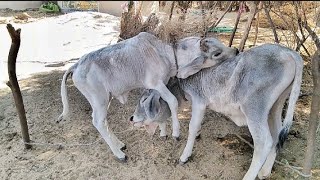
(168, 30)
(287, 11)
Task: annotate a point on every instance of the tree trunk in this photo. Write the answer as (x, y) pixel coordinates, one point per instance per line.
(271, 23)
(236, 24)
(315, 104)
(253, 12)
(314, 115)
(14, 85)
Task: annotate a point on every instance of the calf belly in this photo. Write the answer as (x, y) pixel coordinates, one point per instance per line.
(232, 111)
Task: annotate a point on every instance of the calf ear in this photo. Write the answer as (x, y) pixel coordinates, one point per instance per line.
(191, 68)
(152, 105)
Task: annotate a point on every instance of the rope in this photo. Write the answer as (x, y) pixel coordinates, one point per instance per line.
(286, 164)
(61, 145)
(175, 48)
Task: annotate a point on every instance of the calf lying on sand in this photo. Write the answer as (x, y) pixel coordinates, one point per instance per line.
(250, 89)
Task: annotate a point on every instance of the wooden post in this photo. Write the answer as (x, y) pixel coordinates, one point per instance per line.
(315, 104)
(205, 30)
(257, 24)
(14, 85)
(314, 115)
(236, 23)
(253, 11)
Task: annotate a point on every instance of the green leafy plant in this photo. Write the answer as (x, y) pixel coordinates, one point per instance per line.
(49, 7)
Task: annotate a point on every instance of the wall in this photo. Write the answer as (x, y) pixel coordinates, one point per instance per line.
(20, 5)
(111, 7)
(114, 7)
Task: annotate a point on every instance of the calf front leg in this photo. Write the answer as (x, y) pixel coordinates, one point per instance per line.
(99, 118)
(173, 105)
(198, 110)
(163, 130)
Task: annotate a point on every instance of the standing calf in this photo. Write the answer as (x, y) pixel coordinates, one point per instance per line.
(250, 89)
(139, 62)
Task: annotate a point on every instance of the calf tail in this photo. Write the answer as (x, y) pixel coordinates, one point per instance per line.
(294, 95)
(64, 95)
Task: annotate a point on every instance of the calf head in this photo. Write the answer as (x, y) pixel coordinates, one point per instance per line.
(150, 111)
(194, 54)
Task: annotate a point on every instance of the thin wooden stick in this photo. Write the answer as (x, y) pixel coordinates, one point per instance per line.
(294, 33)
(13, 82)
(222, 16)
(276, 39)
(257, 24)
(253, 12)
(203, 20)
(236, 23)
(171, 10)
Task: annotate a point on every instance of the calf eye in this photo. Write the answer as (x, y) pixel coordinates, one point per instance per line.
(217, 54)
(143, 99)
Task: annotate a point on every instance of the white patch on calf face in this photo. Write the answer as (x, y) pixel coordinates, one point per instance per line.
(216, 51)
(138, 124)
(151, 127)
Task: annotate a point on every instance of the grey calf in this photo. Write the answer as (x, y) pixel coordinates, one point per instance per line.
(250, 89)
(141, 61)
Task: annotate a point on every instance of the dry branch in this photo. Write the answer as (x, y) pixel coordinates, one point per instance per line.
(315, 104)
(253, 11)
(276, 39)
(299, 41)
(171, 10)
(257, 24)
(314, 115)
(203, 20)
(313, 35)
(13, 82)
(222, 16)
(236, 24)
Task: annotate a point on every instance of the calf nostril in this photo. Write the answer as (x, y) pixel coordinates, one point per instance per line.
(131, 118)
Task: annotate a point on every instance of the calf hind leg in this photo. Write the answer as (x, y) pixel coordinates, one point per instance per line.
(99, 99)
(275, 128)
(259, 129)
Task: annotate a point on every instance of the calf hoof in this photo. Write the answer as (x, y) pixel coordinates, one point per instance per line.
(163, 138)
(60, 118)
(123, 160)
(181, 163)
(176, 138)
(198, 137)
(124, 147)
(264, 175)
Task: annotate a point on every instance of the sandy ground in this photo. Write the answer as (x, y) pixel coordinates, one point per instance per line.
(78, 152)
(44, 40)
